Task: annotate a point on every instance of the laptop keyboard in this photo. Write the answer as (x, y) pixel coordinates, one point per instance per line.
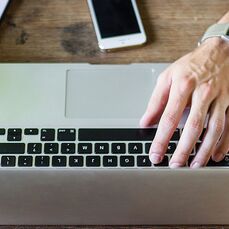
(84, 148)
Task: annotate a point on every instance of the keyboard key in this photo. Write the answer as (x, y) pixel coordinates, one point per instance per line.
(171, 148)
(76, 161)
(31, 131)
(8, 161)
(25, 161)
(12, 138)
(143, 161)
(101, 148)
(176, 135)
(92, 161)
(147, 147)
(12, 148)
(211, 163)
(14, 134)
(2, 131)
(68, 148)
(135, 148)
(224, 162)
(42, 161)
(116, 134)
(190, 160)
(164, 163)
(127, 161)
(84, 148)
(202, 134)
(34, 148)
(59, 161)
(118, 148)
(197, 146)
(110, 161)
(51, 148)
(66, 135)
(15, 131)
(47, 134)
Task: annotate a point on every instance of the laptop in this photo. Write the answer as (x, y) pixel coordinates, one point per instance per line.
(72, 153)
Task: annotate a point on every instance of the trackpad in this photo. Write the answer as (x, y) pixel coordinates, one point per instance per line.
(109, 93)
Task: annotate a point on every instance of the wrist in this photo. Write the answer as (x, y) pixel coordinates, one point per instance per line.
(217, 45)
(216, 42)
(218, 33)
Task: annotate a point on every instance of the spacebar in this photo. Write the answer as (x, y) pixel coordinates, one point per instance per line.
(116, 134)
(12, 148)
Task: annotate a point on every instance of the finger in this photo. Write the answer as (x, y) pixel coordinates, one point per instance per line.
(179, 95)
(222, 147)
(214, 131)
(158, 100)
(193, 127)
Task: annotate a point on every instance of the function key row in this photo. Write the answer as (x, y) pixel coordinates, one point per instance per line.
(45, 134)
(69, 134)
(66, 134)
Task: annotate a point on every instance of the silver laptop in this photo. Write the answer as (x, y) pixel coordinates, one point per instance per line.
(72, 152)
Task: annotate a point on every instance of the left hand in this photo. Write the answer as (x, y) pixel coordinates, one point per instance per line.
(200, 80)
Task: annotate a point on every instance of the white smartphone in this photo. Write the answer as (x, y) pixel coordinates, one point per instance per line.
(3, 4)
(117, 23)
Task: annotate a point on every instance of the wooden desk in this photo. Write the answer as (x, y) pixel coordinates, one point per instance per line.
(61, 31)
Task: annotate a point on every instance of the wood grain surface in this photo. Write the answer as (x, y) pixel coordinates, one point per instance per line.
(61, 31)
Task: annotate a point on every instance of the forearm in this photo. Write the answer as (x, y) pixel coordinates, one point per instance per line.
(225, 18)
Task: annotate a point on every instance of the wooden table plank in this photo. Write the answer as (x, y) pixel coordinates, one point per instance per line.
(61, 31)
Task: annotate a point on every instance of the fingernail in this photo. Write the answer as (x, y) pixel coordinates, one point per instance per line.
(175, 165)
(143, 121)
(218, 157)
(155, 158)
(196, 165)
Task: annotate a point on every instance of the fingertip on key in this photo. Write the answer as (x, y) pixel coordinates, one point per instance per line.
(218, 157)
(195, 165)
(175, 165)
(155, 158)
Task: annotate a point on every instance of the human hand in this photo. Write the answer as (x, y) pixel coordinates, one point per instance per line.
(200, 80)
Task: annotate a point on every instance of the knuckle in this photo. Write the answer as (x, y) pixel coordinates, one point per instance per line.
(196, 124)
(169, 120)
(207, 92)
(162, 77)
(187, 83)
(217, 126)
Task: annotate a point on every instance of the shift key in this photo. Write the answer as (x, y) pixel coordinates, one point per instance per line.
(12, 148)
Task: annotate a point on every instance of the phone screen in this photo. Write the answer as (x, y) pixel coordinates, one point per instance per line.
(115, 17)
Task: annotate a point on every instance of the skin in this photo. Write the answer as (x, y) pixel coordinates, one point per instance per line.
(200, 81)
